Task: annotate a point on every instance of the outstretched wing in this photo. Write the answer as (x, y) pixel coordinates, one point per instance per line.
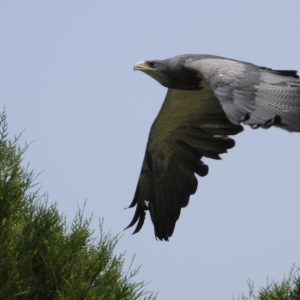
(190, 125)
(254, 95)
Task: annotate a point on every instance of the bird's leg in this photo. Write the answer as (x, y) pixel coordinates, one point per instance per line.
(274, 121)
(269, 123)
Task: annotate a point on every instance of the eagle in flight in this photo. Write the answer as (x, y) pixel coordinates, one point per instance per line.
(209, 98)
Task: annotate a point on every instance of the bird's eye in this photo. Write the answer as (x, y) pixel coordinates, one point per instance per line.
(152, 64)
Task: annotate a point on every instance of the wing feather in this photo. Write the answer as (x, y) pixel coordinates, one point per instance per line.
(190, 125)
(254, 95)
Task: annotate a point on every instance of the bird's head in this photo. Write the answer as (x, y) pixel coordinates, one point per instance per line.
(171, 73)
(158, 69)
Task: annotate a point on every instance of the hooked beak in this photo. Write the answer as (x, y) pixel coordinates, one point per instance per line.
(142, 66)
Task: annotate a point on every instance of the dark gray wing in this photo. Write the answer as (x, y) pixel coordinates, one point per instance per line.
(190, 125)
(254, 95)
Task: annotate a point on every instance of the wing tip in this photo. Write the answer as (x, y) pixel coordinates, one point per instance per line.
(139, 214)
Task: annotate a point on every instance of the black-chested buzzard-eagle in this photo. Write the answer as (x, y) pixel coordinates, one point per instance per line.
(208, 99)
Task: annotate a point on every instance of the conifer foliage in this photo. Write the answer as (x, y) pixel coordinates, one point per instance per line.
(287, 289)
(43, 258)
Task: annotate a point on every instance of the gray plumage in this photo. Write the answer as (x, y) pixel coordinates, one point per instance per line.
(208, 99)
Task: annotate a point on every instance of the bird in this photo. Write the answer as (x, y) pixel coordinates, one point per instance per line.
(209, 99)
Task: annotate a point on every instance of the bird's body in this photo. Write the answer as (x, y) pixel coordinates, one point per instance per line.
(208, 99)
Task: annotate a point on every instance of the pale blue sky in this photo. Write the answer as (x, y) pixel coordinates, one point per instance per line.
(66, 74)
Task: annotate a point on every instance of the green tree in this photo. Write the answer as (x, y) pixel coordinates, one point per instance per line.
(40, 256)
(287, 289)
